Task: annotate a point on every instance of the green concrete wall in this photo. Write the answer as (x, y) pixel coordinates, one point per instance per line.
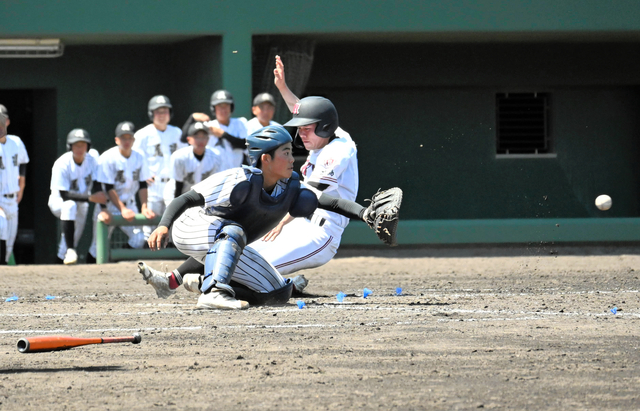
(429, 126)
(422, 113)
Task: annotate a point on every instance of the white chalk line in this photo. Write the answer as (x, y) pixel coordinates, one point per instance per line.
(514, 316)
(428, 293)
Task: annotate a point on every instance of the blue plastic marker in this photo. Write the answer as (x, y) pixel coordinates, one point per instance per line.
(12, 298)
(614, 310)
(398, 291)
(50, 297)
(366, 292)
(301, 304)
(340, 296)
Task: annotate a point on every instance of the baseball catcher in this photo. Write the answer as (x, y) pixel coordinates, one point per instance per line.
(218, 217)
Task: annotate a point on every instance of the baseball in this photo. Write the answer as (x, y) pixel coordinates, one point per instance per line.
(603, 202)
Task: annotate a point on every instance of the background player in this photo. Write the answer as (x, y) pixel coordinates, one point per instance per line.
(263, 108)
(123, 172)
(23, 158)
(190, 165)
(13, 162)
(157, 141)
(72, 183)
(227, 134)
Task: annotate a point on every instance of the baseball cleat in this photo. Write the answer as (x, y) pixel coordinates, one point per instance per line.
(70, 257)
(158, 280)
(299, 284)
(219, 299)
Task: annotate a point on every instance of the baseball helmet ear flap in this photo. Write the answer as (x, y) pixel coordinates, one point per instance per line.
(219, 97)
(156, 102)
(78, 134)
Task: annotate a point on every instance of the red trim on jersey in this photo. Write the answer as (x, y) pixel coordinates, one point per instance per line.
(306, 256)
(329, 179)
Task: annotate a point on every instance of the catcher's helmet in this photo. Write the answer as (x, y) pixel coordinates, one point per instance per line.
(219, 97)
(78, 134)
(318, 110)
(266, 139)
(156, 102)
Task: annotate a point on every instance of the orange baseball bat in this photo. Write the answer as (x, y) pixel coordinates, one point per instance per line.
(64, 342)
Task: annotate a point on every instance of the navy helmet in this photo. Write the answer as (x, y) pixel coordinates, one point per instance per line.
(265, 140)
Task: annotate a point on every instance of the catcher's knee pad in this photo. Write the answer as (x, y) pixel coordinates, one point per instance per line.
(275, 297)
(222, 258)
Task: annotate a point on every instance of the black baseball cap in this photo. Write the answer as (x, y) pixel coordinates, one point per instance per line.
(197, 126)
(263, 98)
(126, 127)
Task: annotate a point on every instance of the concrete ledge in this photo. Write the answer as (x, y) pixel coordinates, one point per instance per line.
(120, 254)
(501, 231)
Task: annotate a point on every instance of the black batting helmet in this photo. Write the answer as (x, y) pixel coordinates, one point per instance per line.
(78, 134)
(315, 110)
(266, 139)
(219, 97)
(156, 102)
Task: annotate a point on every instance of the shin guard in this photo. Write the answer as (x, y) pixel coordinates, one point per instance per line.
(222, 258)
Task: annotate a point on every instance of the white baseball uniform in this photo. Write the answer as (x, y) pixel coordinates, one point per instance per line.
(12, 155)
(311, 243)
(188, 169)
(194, 231)
(157, 146)
(254, 125)
(233, 156)
(66, 175)
(125, 174)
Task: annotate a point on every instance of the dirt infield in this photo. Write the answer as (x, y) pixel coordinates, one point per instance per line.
(518, 328)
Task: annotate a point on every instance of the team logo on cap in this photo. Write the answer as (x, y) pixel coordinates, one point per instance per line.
(79, 133)
(125, 127)
(199, 126)
(296, 108)
(160, 99)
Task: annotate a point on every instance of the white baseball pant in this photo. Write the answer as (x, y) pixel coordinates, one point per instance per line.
(69, 211)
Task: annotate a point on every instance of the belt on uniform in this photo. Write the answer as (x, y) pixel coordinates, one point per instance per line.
(164, 180)
(319, 221)
(8, 195)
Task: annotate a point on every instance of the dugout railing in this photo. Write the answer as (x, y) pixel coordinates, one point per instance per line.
(109, 248)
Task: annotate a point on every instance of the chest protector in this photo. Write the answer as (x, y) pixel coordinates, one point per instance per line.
(257, 212)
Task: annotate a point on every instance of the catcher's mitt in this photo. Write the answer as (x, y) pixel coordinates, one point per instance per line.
(383, 213)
